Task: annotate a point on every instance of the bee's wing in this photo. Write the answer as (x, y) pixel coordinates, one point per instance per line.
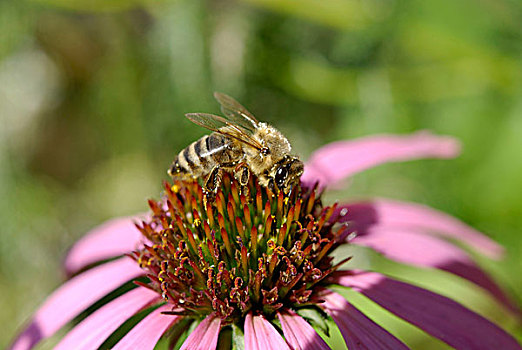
(235, 112)
(224, 127)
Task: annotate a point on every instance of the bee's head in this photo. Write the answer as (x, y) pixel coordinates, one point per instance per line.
(286, 174)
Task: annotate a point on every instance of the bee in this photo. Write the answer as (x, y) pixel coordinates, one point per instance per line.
(241, 145)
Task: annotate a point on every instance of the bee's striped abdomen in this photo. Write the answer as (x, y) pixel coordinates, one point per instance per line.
(188, 160)
(200, 157)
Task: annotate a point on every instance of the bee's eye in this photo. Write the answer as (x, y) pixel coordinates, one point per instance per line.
(280, 176)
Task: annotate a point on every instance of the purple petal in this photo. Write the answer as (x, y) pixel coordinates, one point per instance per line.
(113, 238)
(96, 328)
(73, 297)
(385, 212)
(261, 335)
(342, 159)
(437, 315)
(359, 332)
(205, 336)
(409, 247)
(299, 333)
(147, 333)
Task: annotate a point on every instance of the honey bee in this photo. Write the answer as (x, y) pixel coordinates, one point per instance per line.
(239, 144)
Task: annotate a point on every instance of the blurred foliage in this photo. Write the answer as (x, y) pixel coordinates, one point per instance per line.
(92, 97)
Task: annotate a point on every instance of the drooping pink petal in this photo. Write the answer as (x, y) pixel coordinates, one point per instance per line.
(97, 327)
(73, 297)
(403, 245)
(437, 315)
(386, 212)
(148, 331)
(261, 335)
(113, 238)
(205, 336)
(299, 333)
(359, 332)
(342, 159)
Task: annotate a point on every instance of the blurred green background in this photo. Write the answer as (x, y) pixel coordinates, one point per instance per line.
(93, 92)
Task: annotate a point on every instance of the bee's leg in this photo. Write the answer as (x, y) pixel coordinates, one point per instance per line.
(271, 186)
(212, 183)
(242, 175)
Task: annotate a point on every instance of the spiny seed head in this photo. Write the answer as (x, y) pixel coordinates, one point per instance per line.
(256, 250)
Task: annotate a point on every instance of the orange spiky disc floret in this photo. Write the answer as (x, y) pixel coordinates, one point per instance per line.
(235, 253)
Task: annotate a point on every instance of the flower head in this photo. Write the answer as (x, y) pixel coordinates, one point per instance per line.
(256, 267)
(255, 253)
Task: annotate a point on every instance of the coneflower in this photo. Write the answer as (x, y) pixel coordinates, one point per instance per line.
(253, 269)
